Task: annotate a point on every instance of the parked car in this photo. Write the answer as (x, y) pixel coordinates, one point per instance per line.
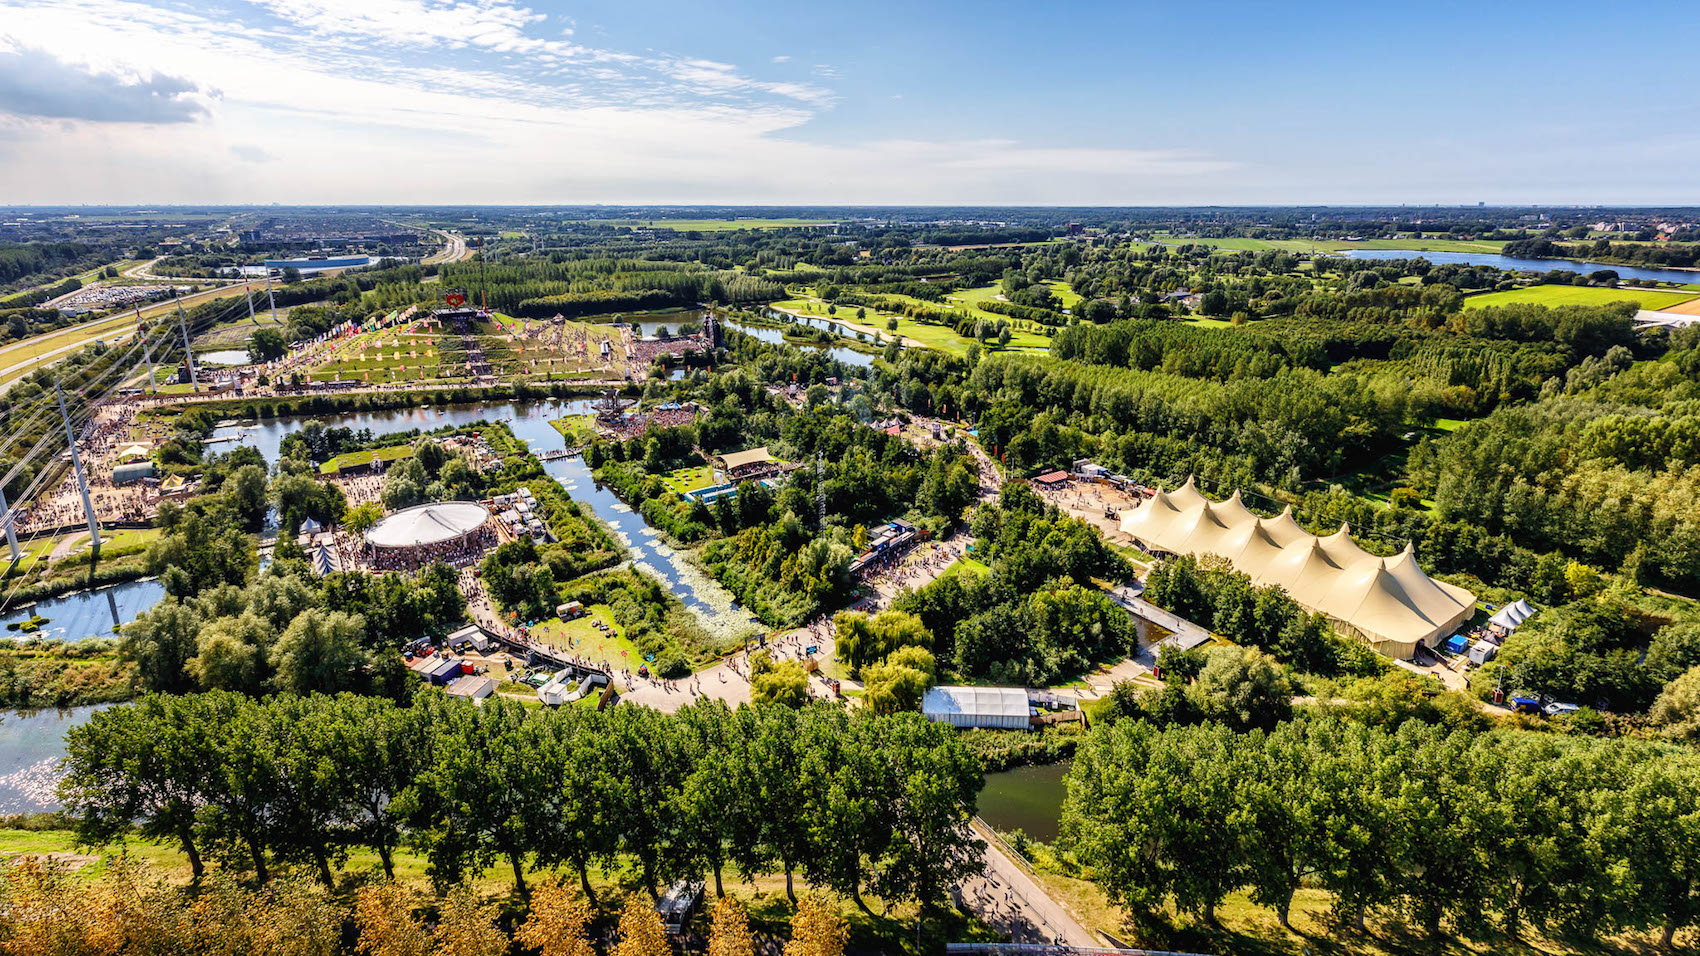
(1556, 708)
(1525, 705)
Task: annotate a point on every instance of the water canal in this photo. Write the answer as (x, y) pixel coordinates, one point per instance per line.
(31, 744)
(1028, 799)
(1514, 263)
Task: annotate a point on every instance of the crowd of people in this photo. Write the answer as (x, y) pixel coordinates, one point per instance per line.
(361, 489)
(460, 552)
(108, 433)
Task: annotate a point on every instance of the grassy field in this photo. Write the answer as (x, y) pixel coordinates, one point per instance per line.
(70, 338)
(35, 551)
(1552, 295)
(355, 459)
(576, 429)
(1337, 245)
(966, 566)
(712, 225)
(929, 336)
(1247, 929)
(686, 480)
(584, 639)
(1065, 292)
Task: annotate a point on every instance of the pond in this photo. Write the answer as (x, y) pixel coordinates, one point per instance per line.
(86, 614)
(649, 323)
(223, 358)
(1028, 799)
(1527, 265)
(31, 745)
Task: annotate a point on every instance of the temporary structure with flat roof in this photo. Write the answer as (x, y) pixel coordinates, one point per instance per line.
(737, 460)
(428, 524)
(1389, 602)
(960, 706)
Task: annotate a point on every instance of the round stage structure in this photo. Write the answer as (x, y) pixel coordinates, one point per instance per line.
(423, 525)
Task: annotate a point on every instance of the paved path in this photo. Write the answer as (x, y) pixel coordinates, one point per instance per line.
(1007, 898)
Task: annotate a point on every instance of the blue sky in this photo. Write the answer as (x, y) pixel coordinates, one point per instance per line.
(547, 101)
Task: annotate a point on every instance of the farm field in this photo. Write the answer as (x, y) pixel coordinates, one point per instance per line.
(712, 225)
(1577, 295)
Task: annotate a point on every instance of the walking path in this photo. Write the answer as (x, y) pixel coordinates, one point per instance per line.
(1006, 898)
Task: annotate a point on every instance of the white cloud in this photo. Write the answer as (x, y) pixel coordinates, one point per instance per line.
(399, 101)
(782, 58)
(35, 82)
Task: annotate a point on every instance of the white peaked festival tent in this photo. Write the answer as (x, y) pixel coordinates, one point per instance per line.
(1389, 602)
(1512, 616)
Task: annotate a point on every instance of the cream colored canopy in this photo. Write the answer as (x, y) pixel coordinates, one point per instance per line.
(1388, 601)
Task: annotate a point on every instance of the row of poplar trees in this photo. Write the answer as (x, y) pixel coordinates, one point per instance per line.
(1476, 832)
(854, 803)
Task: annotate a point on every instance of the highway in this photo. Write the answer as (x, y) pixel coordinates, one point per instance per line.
(454, 249)
(112, 328)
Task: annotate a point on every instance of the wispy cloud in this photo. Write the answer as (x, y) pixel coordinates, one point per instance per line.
(782, 58)
(459, 100)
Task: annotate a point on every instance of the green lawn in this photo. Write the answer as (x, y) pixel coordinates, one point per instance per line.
(1552, 295)
(34, 552)
(355, 459)
(1065, 292)
(966, 566)
(685, 480)
(586, 640)
(929, 336)
(576, 429)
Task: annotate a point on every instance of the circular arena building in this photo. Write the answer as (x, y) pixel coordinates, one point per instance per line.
(425, 525)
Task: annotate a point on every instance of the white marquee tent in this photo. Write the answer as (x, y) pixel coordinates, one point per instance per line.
(1389, 602)
(1511, 616)
(959, 706)
(428, 524)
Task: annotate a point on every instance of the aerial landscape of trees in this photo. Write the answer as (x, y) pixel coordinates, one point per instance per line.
(272, 756)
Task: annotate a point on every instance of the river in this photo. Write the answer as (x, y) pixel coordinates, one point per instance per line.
(31, 743)
(1028, 799)
(1527, 265)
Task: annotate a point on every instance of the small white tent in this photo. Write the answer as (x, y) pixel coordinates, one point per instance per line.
(1511, 616)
